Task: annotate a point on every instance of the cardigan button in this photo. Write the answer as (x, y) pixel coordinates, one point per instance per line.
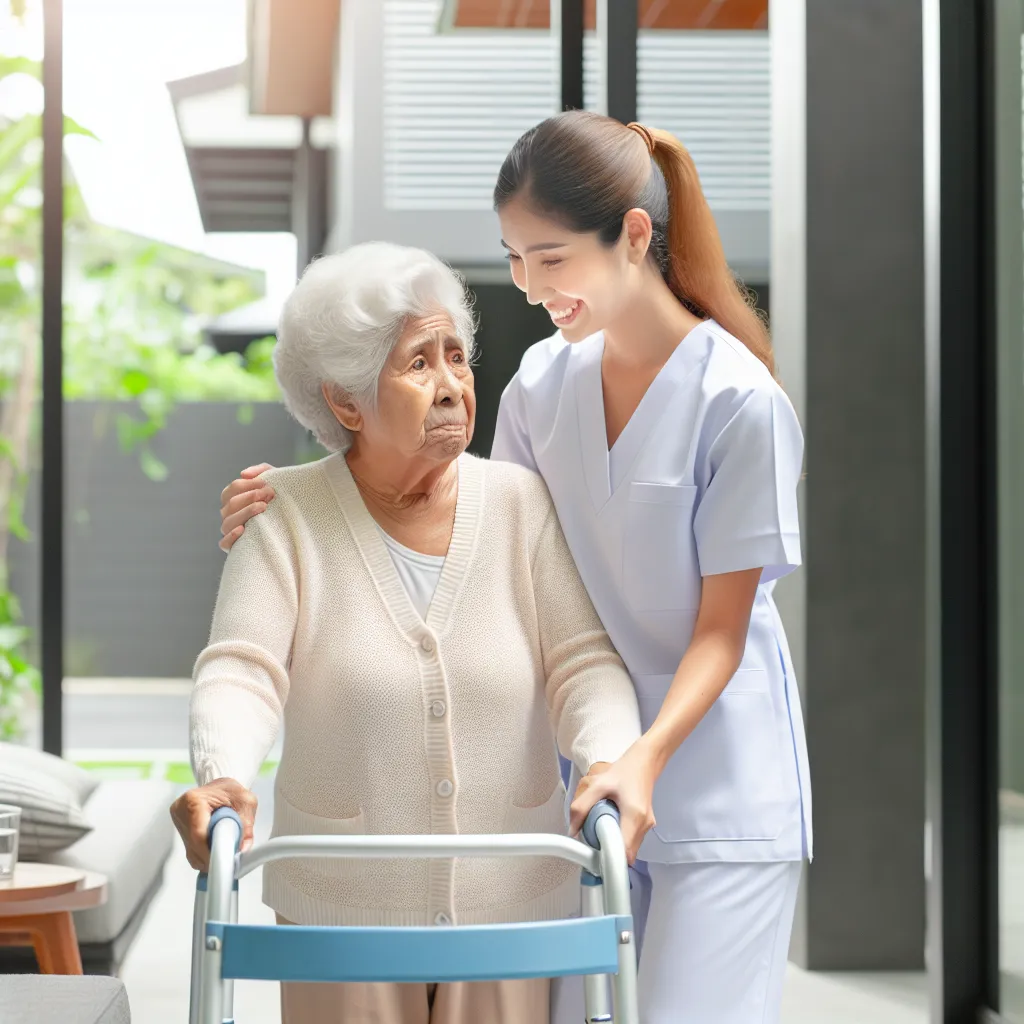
(427, 644)
(437, 709)
(445, 788)
(442, 920)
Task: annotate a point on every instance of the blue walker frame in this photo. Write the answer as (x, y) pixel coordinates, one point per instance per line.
(601, 945)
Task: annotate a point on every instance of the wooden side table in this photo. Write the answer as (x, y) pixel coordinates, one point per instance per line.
(36, 908)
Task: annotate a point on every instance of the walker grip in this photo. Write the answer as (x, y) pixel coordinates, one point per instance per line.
(598, 811)
(224, 814)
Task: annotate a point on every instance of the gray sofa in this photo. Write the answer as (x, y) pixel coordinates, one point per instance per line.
(131, 839)
(55, 1000)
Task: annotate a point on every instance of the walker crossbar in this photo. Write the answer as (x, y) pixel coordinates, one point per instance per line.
(425, 847)
(600, 946)
(468, 953)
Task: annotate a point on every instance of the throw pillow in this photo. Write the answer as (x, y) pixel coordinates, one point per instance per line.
(82, 783)
(51, 816)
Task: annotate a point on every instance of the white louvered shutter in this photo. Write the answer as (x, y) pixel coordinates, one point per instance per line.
(454, 103)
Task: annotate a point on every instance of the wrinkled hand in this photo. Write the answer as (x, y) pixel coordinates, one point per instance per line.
(629, 784)
(191, 814)
(242, 499)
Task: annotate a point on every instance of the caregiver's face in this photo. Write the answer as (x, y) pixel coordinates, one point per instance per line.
(426, 406)
(580, 281)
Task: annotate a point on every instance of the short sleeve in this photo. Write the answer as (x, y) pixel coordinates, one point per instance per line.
(511, 437)
(746, 515)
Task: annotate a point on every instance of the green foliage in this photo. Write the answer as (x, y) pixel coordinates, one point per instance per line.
(133, 333)
(132, 337)
(133, 318)
(19, 681)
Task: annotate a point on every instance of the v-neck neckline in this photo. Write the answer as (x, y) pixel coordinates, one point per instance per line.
(377, 557)
(599, 460)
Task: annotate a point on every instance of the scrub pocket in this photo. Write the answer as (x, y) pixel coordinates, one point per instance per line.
(660, 569)
(725, 780)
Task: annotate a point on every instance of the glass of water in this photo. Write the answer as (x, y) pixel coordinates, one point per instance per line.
(10, 827)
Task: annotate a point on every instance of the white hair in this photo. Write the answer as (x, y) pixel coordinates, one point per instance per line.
(343, 320)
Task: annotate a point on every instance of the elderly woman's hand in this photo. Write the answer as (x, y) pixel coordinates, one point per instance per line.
(242, 499)
(191, 814)
(629, 783)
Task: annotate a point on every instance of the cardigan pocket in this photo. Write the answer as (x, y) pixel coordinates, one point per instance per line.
(292, 820)
(546, 817)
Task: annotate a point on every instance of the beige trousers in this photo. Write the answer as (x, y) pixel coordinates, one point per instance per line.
(479, 1002)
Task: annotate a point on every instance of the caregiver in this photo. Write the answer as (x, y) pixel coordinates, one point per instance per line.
(673, 457)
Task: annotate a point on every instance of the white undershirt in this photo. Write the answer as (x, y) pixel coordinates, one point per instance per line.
(419, 573)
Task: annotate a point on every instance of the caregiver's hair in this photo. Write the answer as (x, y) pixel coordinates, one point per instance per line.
(586, 172)
(343, 320)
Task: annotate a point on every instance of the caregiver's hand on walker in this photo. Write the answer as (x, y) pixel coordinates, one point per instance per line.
(629, 782)
(192, 811)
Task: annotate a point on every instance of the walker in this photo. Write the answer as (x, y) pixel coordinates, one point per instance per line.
(600, 945)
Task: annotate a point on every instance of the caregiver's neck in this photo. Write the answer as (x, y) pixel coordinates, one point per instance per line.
(649, 328)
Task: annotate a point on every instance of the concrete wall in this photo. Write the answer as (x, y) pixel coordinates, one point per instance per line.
(848, 318)
(142, 563)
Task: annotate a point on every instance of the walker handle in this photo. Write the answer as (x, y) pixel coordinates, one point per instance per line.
(603, 808)
(224, 814)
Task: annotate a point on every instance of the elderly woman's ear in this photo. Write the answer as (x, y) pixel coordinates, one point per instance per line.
(345, 410)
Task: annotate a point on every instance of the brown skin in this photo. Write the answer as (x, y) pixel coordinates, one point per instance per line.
(404, 448)
(618, 290)
(192, 810)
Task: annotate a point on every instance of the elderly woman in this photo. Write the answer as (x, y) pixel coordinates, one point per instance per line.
(415, 616)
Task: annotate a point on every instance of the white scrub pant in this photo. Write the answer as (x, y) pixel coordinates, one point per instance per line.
(715, 945)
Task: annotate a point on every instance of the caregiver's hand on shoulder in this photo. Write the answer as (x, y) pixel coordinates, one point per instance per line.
(629, 783)
(242, 499)
(191, 814)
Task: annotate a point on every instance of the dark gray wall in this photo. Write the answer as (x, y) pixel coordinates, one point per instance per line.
(142, 563)
(847, 309)
(507, 326)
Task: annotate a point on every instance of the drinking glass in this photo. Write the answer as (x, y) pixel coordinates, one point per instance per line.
(10, 827)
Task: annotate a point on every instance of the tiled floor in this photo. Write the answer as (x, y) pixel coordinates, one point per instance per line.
(157, 971)
(1011, 900)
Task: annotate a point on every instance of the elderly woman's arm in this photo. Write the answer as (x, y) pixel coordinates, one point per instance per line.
(241, 679)
(590, 695)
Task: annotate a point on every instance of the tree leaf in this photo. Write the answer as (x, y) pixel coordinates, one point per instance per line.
(152, 466)
(16, 136)
(72, 127)
(20, 65)
(135, 382)
(12, 637)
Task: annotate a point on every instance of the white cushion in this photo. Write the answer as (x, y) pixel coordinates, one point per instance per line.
(82, 783)
(51, 815)
(132, 837)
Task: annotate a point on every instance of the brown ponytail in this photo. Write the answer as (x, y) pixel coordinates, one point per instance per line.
(698, 273)
(588, 171)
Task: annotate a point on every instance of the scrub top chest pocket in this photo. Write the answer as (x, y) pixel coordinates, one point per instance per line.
(660, 569)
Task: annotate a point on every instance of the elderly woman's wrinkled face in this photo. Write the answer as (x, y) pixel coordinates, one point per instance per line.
(426, 406)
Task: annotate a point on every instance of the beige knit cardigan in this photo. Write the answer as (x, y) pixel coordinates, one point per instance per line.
(394, 724)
